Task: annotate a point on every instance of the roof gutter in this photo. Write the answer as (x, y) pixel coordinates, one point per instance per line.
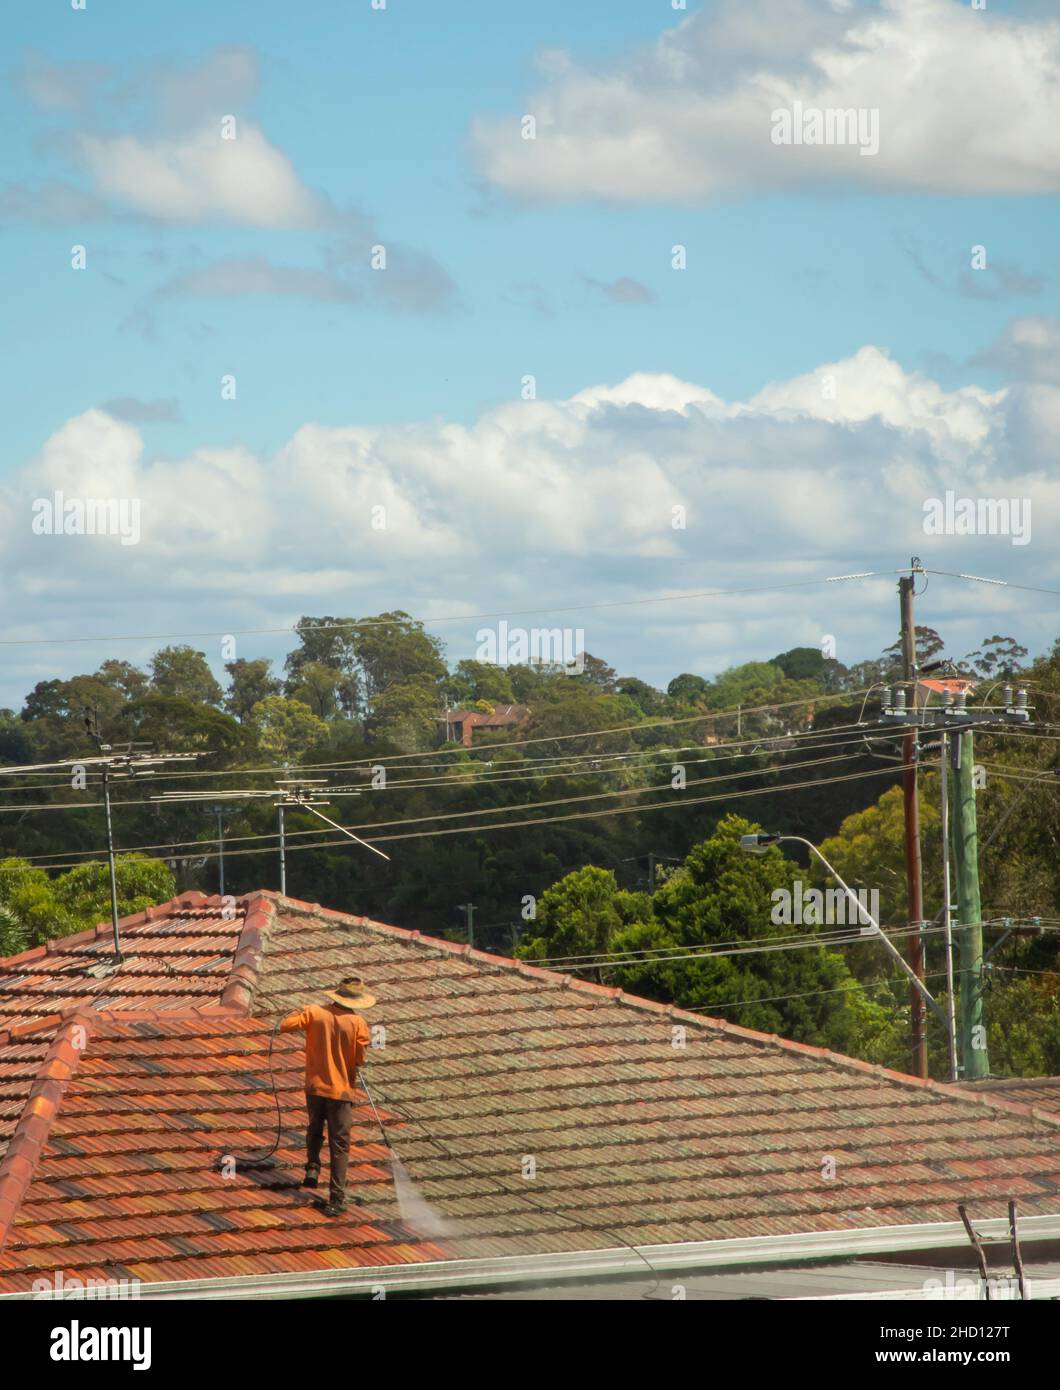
(454, 1275)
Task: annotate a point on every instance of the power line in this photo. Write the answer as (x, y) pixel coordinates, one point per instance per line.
(487, 811)
(383, 760)
(842, 937)
(807, 994)
(642, 955)
(674, 805)
(453, 618)
(482, 773)
(1000, 583)
(444, 783)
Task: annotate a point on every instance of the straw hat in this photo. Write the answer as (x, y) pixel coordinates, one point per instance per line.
(351, 994)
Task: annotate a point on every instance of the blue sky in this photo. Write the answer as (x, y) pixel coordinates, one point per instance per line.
(390, 120)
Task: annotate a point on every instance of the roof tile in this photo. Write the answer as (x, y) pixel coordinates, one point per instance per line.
(536, 1112)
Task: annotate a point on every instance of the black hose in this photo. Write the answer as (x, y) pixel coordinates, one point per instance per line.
(266, 1159)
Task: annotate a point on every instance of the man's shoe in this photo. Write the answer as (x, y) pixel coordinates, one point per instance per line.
(311, 1176)
(334, 1208)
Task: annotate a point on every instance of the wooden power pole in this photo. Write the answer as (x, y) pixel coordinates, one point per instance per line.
(910, 789)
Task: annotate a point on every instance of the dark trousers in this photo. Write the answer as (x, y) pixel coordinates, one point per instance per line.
(338, 1114)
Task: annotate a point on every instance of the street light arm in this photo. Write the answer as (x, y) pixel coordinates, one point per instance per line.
(876, 928)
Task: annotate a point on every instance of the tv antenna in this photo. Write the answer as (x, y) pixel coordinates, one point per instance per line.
(120, 762)
(306, 794)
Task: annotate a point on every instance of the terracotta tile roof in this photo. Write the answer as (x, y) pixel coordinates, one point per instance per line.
(537, 1113)
(176, 956)
(132, 1183)
(1041, 1092)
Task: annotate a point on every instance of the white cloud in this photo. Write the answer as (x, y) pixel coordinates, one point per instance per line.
(177, 167)
(968, 102)
(1028, 348)
(548, 503)
(200, 177)
(872, 385)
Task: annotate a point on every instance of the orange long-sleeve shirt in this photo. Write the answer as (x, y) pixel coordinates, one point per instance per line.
(335, 1043)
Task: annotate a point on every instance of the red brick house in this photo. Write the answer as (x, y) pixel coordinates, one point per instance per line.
(459, 725)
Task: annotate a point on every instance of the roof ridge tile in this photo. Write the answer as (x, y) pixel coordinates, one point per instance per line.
(30, 1135)
(260, 914)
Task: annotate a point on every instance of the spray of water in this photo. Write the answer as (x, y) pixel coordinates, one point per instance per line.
(416, 1212)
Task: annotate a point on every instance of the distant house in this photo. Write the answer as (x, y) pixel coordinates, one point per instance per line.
(459, 725)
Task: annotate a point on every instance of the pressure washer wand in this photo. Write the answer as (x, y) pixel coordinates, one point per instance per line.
(375, 1112)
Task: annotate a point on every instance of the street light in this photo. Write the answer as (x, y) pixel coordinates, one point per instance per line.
(759, 844)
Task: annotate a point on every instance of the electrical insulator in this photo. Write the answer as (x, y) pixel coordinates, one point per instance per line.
(962, 699)
(899, 701)
(886, 697)
(1007, 692)
(1021, 699)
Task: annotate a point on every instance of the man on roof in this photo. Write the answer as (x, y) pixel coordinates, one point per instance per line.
(336, 1039)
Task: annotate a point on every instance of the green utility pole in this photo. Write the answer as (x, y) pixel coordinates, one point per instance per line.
(969, 914)
(955, 720)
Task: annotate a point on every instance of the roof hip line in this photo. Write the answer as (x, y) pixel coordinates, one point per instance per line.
(26, 1145)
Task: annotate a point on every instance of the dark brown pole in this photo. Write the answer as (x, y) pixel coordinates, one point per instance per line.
(914, 889)
(977, 1245)
(1017, 1258)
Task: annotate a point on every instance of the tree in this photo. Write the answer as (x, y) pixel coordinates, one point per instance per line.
(327, 642)
(753, 683)
(579, 916)
(286, 728)
(405, 716)
(317, 686)
(929, 646)
(801, 663)
(83, 893)
(31, 912)
(251, 682)
(650, 701)
(530, 683)
(15, 746)
(1023, 1027)
(480, 680)
(568, 706)
(35, 908)
(47, 700)
(596, 672)
(688, 689)
(722, 896)
(868, 851)
(55, 711)
(182, 673)
(13, 936)
(181, 725)
(128, 680)
(1000, 657)
(393, 649)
